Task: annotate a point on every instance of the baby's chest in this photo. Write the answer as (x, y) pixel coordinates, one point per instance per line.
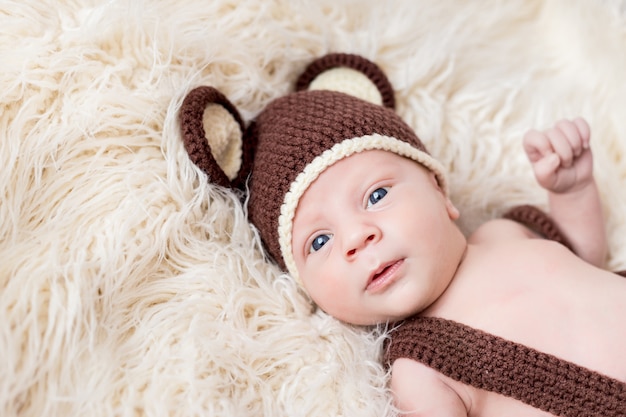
(514, 284)
(546, 301)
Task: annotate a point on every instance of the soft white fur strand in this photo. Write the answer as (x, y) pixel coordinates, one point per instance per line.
(129, 286)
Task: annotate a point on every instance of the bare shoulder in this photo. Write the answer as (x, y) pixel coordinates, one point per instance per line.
(498, 230)
(419, 390)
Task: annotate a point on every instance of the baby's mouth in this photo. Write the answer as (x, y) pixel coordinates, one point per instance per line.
(383, 275)
(381, 272)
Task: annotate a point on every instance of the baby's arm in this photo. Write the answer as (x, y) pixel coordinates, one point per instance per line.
(563, 165)
(421, 391)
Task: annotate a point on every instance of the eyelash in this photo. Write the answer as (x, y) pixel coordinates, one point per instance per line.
(369, 203)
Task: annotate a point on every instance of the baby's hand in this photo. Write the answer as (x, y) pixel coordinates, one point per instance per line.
(561, 156)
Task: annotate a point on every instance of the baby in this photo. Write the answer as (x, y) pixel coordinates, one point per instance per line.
(374, 240)
(501, 323)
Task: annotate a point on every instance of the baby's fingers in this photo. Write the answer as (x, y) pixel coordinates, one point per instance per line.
(571, 133)
(562, 143)
(536, 145)
(545, 170)
(583, 130)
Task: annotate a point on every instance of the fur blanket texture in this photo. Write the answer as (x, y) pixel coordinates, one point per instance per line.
(130, 286)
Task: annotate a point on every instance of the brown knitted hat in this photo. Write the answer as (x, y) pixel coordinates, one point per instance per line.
(298, 136)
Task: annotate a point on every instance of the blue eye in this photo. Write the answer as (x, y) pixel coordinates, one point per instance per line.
(377, 195)
(318, 242)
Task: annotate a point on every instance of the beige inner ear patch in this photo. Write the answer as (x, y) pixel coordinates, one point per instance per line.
(224, 136)
(348, 81)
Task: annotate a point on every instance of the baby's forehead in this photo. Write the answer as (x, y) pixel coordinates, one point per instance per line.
(353, 171)
(371, 161)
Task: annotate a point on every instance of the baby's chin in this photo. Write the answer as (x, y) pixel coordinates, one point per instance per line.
(368, 320)
(352, 318)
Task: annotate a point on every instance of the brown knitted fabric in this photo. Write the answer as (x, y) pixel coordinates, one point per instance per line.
(295, 129)
(539, 222)
(193, 134)
(355, 62)
(488, 362)
(195, 141)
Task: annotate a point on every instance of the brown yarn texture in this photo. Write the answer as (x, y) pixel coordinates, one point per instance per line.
(355, 62)
(494, 364)
(538, 221)
(194, 136)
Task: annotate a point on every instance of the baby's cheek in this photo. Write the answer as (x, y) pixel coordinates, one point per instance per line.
(326, 291)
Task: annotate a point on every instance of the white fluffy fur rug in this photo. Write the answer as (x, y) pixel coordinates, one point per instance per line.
(129, 286)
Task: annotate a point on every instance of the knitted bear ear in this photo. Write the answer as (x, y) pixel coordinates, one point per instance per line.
(212, 132)
(350, 74)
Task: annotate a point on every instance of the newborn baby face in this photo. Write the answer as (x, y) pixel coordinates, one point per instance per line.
(370, 238)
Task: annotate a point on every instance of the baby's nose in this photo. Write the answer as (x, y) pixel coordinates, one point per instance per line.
(360, 239)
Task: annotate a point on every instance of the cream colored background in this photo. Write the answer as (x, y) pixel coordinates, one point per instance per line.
(129, 286)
